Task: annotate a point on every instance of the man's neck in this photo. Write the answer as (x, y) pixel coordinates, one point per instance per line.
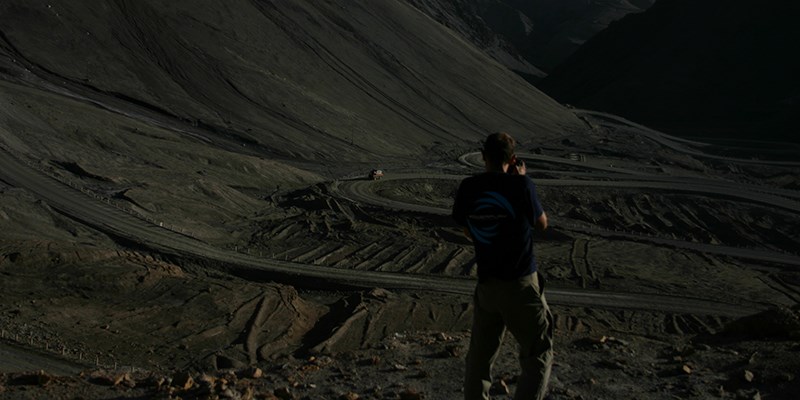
(497, 168)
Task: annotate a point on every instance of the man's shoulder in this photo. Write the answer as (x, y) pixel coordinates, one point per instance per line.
(495, 178)
(475, 178)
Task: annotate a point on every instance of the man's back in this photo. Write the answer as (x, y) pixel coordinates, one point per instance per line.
(499, 210)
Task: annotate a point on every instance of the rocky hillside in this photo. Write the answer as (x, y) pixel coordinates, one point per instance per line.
(302, 80)
(529, 36)
(713, 68)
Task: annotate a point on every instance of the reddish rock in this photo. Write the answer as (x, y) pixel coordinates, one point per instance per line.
(251, 373)
(182, 380)
(103, 378)
(349, 396)
(410, 394)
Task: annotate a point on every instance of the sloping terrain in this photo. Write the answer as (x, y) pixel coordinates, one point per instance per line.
(168, 228)
(218, 104)
(707, 69)
(132, 316)
(560, 27)
(358, 81)
(529, 37)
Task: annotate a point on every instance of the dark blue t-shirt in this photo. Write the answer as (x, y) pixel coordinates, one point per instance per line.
(499, 210)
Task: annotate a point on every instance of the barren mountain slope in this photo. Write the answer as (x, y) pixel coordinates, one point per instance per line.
(187, 112)
(530, 37)
(306, 80)
(712, 68)
(184, 213)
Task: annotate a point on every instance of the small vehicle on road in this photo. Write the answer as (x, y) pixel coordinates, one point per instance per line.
(375, 174)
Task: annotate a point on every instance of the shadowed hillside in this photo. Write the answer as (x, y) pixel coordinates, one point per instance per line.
(187, 210)
(712, 68)
(298, 79)
(192, 112)
(530, 37)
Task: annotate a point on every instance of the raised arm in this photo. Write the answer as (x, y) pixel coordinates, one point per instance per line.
(541, 222)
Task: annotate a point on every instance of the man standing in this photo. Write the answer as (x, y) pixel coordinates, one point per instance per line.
(499, 209)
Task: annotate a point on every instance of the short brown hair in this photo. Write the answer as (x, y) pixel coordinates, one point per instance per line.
(498, 148)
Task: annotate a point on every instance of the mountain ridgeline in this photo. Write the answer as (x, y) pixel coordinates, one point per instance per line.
(530, 37)
(708, 69)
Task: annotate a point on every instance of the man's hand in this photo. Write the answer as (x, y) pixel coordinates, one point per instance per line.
(520, 166)
(515, 166)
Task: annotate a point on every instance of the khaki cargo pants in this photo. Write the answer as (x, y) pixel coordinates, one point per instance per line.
(520, 307)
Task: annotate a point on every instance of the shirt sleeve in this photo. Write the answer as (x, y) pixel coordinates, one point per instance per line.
(459, 214)
(533, 198)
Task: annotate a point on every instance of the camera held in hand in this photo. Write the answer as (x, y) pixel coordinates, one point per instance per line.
(517, 167)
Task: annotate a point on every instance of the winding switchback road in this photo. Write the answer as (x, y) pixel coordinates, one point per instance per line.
(678, 143)
(107, 218)
(362, 191)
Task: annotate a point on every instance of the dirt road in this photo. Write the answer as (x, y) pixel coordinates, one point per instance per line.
(109, 219)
